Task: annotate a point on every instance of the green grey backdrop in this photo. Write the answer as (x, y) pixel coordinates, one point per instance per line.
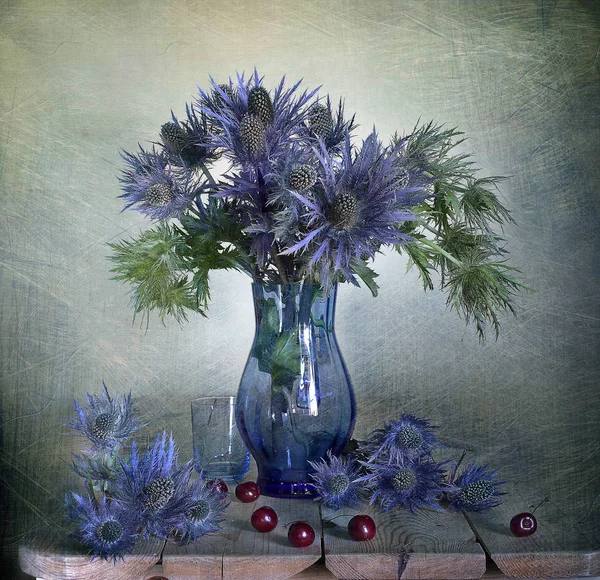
(80, 79)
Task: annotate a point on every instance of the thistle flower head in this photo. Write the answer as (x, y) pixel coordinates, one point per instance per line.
(206, 513)
(356, 208)
(302, 177)
(154, 486)
(107, 422)
(408, 437)
(342, 214)
(260, 104)
(475, 489)
(320, 121)
(408, 483)
(155, 187)
(252, 135)
(335, 481)
(107, 529)
(187, 143)
(173, 136)
(329, 126)
(255, 127)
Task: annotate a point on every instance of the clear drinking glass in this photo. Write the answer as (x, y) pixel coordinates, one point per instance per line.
(219, 451)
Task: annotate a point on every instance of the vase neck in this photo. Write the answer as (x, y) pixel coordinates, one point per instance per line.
(283, 307)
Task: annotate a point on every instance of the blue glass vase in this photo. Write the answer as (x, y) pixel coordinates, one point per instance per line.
(295, 401)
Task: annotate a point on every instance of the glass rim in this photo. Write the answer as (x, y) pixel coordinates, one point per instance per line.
(212, 400)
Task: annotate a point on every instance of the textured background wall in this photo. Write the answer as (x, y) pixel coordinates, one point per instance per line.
(81, 79)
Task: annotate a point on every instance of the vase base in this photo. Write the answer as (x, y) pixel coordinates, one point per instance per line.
(287, 489)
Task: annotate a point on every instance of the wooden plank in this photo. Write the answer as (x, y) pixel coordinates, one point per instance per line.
(48, 559)
(201, 559)
(556, 550)
(317, 571)
(240, 552)
(427, 544)
(250, 554)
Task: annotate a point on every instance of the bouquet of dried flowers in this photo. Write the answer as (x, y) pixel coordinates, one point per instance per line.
(298, 200)
(133, 494)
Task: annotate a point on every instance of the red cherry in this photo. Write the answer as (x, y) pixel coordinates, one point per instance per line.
(362, 528)
(264, 519)
(301, 534)
(247, 492)
(218, 485)
(523, 524)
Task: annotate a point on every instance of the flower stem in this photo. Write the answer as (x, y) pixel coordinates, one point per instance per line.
(207, 173)
(279, 263)
(91, 491)
(440, 250)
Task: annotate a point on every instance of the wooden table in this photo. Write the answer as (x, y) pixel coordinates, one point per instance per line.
(424, 545)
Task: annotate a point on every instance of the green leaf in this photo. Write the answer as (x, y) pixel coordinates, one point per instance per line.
(366, 274)
(421, 259)
(480, 288)
(155, 265)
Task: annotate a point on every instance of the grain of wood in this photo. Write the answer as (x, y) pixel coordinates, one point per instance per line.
(244, 553)
(51, 560)
(554, 551)
(201, 559)
(250, 554)
(427, 544)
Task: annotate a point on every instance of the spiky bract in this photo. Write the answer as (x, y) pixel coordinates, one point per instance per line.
(106, 421)
(155, 487)
(409, 483)
(476, 489)
(153, 186)
(409, 437)
(107, 528)
(206, 514)
(335, 481)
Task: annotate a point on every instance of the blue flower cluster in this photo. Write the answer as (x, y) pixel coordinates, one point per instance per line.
(395, 468)
(400, 470)
(308, 203)
(137, 495)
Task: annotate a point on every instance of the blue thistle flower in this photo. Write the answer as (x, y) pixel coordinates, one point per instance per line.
(107, 422)
(476, 489)
(187, 143)
(107, 529)
(335, 481)
(154, 486)
(205, 515)
(154, 186)
(254, 129)
(358, 207)
(328, 126)
(408, 437)
(297, 171)
(410, 483)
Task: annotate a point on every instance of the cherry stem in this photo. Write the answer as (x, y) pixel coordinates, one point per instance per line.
(338, 516)
(547, 498)
(294, 522)
(455, 468)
